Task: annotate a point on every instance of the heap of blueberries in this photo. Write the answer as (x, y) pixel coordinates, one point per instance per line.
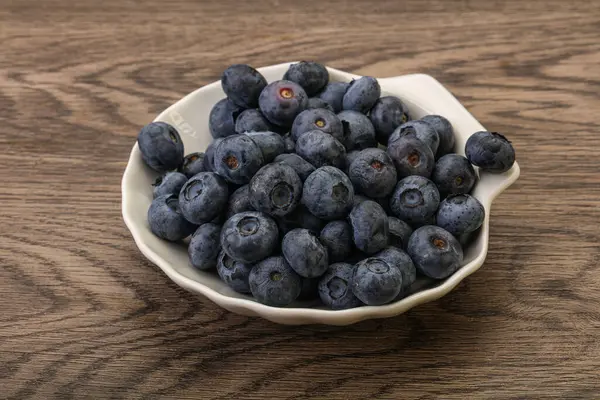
(316, 189)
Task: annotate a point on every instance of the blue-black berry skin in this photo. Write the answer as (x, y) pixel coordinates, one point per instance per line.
(317, 102)
(335, 287)
(445, 132)
(235, 274)
(239, 201)
(415, 200)
(361, 94)
(209, 155)
(237, 158)
(410, 155)
(370, 227)
(310, 75)
(336, 236)
(305, 253)
(317, 119)
(281, 101)
(328, 193)
(387, 114)
(243, 84)
(359, 132)
(252, 120)
(204, 246)
(490, 151)
(333, 94)
(193, 164)
(270, 144)
(400, 233)
(222, 117)
(161, 146)
(275, 189)
(401, 259)
(435, 252)
(274, 283)
(373, 173)
(376, 282)
(453, 174)
(166, 220)
(423, 131)
(302, 167)
(321, 149)
(249, 236)
(460, 214)
(203, 197)
(170, 183)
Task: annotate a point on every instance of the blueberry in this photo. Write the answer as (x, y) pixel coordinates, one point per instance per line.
(397, 257)
(274, 283)
(305, 253)
(337, 238)
(166, 220)
(410, 155)
(234, 274)
(376, 281)
(161, 146)
(221, 120)
(328, 193)
(237, 158)
(387, 114)
(193, 164)
(362, 94)
(400, 232)
(239, 201)
(290, 144)
(358, 198)
(282, 101)
(333, 94)
(204, 246)
(453, 174)
(321, 149)
(170, 183)
(359, 132)
(435, 252)
(249, 236)
(209, 155)
(423, 131)
(370, 227)
(310, 289)
(460, 214)
(373, 173)
(275, 189)
(317, 119)
(243, 84)
(335, 287)
(316, 102)
(415, 200)
(252, 120)
(299, 218)
(270, 144)
(490, 151)
(445, 132)
(203, 197)
(302, 167)
(311, 76)
(351, 156)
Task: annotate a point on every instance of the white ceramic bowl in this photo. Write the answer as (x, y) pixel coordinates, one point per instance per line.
(421, 93)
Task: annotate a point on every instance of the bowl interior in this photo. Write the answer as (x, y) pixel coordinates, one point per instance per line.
(190, 117)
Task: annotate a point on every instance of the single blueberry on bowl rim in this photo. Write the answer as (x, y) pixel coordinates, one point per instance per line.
(161, 146)
(490, 151)
(243, 84)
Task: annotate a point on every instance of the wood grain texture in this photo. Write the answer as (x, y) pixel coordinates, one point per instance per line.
(84, 315)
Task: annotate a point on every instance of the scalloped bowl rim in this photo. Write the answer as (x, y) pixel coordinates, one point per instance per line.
(297, 315)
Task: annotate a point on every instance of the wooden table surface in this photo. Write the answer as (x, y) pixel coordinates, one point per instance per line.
(84, 315)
